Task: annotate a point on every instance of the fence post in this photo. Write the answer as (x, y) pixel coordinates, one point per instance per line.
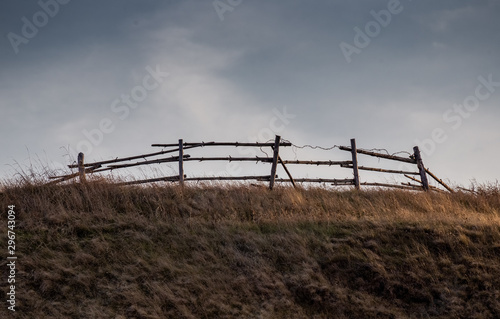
(287, 172)
(81, 168)
(181, 162)
(275, 161)
(421, 168)
(354, 153)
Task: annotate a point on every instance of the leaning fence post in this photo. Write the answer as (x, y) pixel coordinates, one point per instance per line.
(81, 167)
(354, 152)
(275, 161)
(287, 172)
(421, 168)
(181, 162)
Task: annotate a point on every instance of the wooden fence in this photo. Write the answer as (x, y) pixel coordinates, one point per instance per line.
(276, 160)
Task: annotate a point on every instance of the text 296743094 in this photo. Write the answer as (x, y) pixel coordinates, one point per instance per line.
(11, 248)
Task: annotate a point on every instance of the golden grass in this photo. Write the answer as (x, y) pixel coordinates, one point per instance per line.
(102, 251)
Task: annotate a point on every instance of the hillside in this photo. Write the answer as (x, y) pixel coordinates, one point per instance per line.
(102, 251)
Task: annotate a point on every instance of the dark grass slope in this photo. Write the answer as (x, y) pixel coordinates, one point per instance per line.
(101, 251)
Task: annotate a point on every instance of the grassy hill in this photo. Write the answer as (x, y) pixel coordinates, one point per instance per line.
(102, 251)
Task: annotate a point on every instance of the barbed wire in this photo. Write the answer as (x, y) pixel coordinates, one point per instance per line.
(386, 151)
(338, 146)
(403, 152)
(316, 147)
(310, 146)
(267, 155)
(376, 150)
(329, 148)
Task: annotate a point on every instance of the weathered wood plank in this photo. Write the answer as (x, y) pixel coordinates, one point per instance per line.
(229, 178)
(125, 159)
(391, 157)
(157, 161)
(81, 167)
(181, 163)
(382, 170)
(440, 181)
(70, 176)
(320, 180)
(329, 163)
(412, 178)
(416, 187)
(355, 170)
(87, 170)
(230, 159)
(203, 144)
(274, 166)
(421, 168)
(266, 160)
(287, 172)
(152, 180)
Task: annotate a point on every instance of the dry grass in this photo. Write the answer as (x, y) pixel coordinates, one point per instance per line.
(102, 251)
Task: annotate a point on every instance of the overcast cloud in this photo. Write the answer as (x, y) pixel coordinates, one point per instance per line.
(231, 62)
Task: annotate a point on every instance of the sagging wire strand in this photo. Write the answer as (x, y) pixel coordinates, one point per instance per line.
(387, 152)
(295, 147)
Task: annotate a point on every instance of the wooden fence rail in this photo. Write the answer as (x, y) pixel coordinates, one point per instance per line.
(386, 156)
(236, 144)
(382, 170)
(275, 161)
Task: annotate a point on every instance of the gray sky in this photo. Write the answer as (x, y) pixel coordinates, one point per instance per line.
(392, 74)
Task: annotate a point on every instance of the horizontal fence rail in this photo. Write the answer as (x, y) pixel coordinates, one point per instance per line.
(275, 160)
(386, 156)
(236, 144)
(124, 159)
(382, 170)
(320, 180)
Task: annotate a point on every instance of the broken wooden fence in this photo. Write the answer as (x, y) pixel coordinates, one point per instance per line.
(275, 161)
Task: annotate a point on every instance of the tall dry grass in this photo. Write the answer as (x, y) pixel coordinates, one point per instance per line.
(102, 251)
